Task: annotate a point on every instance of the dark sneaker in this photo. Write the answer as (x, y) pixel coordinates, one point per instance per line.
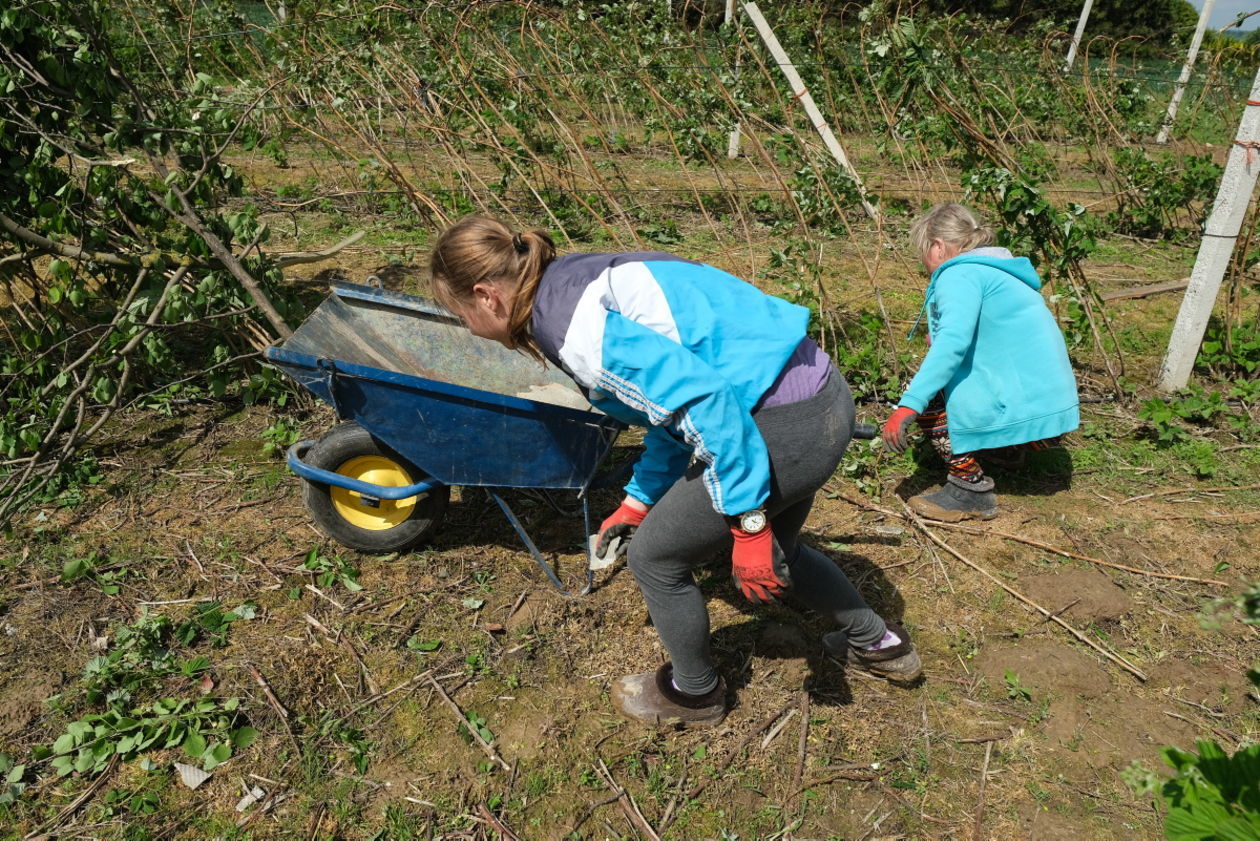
(897, 664)
(652, 699)
(957, 500)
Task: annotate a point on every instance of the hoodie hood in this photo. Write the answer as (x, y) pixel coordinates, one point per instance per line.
(1020, 268)
(998, 258)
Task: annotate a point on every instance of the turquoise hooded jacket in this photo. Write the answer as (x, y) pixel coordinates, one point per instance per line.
(996, 353)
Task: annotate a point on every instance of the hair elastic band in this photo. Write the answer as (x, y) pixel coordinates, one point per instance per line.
(519, 244)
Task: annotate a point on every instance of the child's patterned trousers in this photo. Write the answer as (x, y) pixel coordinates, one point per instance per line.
(963, 465)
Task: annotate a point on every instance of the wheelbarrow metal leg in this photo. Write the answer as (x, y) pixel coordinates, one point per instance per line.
(533, 550)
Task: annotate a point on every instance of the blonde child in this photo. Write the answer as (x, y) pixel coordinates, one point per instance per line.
(996, 373)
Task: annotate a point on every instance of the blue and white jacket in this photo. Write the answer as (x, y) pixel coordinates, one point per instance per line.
(678, 347)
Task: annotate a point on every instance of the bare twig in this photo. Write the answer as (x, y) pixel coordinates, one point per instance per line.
(1189, 491)
(300, 257)
(497, 825)
(870, 506)
(380, 696)
(1056, 550)
(486, 747)
(976, 831)
(802, 743)
(777, 729)
(628, 805)
(757, 731)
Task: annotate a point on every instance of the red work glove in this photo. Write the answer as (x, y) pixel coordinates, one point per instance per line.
(621, 523)
(758, 565)
(895, 428)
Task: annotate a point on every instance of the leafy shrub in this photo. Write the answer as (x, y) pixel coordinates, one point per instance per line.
(1226, 353)
(1168, 416)
(1157, 192)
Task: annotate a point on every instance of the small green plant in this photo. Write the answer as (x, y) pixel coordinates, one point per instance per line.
(207, 730)
(1015, 689)
(415, 643)
(281, 435)
(1193, 405)
(1229, 352)
(119, 801)
(142, 655)
(331, 570)
(860, 466)
(107, 576)
(480, 726)
(662, 232)
(211, 620)
(12, 786)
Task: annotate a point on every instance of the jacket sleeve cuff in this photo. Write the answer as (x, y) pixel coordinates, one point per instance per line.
(910, 401)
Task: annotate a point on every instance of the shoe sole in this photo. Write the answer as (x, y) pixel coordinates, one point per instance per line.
(864, 669)
(895, 680)
(932, 511)
(628, 701)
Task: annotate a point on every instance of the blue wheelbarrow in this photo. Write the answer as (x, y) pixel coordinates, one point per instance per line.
(426, 406)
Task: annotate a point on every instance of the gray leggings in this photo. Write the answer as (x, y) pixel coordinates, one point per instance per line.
(806, 440)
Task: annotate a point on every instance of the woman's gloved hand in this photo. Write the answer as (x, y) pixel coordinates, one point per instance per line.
(758, 565)
(896, 427)
(620, 525)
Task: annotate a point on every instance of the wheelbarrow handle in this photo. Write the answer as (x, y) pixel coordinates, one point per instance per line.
(865, 431)
(327, 477)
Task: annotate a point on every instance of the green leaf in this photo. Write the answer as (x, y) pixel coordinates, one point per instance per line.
(195, 744)
(243, 737)
(1239, 829)
(417, 644)
(84, 761)
(248, 610)
(74, 568)
(1187, 825)
(216, 756)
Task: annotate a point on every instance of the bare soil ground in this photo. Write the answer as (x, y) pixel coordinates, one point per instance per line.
(1020, 728)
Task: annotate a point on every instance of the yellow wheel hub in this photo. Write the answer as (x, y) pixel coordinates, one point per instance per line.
(377, 515)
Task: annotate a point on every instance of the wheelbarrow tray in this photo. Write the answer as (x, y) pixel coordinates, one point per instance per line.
(445, 400)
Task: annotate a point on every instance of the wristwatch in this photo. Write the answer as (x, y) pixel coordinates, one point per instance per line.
(752, 521)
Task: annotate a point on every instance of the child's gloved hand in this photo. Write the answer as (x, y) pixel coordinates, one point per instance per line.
(620, 524)
(896, 427)
(758, 565)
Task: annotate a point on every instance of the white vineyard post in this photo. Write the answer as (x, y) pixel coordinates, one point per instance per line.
(1166, 126)
(1215, 250)
(732, 142)
(799, 91)
(1076, 38)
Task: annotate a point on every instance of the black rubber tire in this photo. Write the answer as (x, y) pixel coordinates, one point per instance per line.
(341, 445)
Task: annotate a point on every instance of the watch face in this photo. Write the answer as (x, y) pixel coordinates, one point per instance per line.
(753, 521)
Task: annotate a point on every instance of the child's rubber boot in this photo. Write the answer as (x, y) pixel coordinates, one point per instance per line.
(652, 699)
(898, 664)
(957, 500)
